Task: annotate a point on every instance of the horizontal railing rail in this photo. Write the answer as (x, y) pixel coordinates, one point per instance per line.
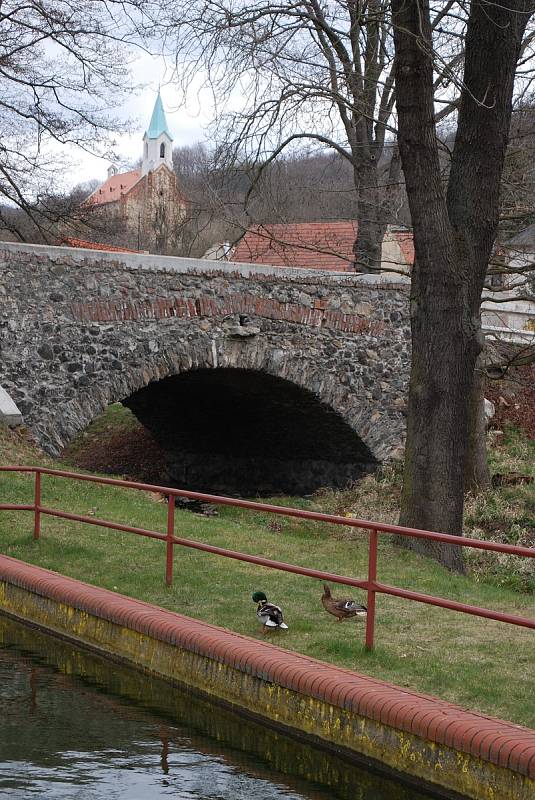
(370, 584)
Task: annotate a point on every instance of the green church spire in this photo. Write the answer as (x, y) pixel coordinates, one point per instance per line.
(158, 122)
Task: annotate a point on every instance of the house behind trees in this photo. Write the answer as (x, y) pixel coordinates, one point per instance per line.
(326, 245)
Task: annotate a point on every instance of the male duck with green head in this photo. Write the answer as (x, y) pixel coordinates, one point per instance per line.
(269, 614)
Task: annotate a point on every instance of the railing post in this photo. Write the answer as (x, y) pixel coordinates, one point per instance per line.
(170, 535)
(372, 577)
(37, 505)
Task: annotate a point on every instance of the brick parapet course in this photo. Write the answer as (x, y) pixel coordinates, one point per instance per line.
(420, 736)
(204, 306)
(82, 329)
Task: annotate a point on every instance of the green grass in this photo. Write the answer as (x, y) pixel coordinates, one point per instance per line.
(480, 664)
(505, 514)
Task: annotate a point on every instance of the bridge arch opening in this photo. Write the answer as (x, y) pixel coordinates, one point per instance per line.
(245, 432)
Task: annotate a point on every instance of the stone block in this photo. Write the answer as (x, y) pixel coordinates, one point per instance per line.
(9, 413)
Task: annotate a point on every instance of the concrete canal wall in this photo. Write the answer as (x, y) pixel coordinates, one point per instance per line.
(421, 737)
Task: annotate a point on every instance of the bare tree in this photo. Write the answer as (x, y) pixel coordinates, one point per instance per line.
(297, 187)
(62, 68)
(308, 71)
(518, 179)
(454, 232)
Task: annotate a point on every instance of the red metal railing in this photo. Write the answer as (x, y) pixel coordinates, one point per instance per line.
(371, 584)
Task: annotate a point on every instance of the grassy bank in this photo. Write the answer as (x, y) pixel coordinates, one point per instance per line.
(480, 664)
(505, 513)
(117, 443)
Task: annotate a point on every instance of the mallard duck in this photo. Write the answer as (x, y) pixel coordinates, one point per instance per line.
(269, 614)
(342, 608)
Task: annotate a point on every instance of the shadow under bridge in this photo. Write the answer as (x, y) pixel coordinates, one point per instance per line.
(244, 432)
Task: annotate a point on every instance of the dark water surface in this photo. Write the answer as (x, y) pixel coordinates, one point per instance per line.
(77, 727)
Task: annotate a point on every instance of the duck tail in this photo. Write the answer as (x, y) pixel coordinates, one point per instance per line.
(326, 590)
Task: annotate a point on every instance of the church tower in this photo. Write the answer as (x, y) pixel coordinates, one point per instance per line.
(144, 208)
(157, 141)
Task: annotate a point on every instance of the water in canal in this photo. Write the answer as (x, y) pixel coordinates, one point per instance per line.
(77, 727)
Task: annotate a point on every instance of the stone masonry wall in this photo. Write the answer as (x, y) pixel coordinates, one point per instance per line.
(82, 329)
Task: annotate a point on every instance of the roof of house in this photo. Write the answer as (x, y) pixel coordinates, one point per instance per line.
(158, 122)
(70, 241)
(114, 187)
(310, 245)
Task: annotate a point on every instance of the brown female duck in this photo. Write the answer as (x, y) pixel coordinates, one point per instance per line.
(342, 608)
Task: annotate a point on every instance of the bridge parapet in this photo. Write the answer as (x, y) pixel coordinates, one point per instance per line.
(154, 262)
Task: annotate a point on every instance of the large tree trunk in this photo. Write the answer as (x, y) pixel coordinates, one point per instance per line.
(453, 239)
(443, 359)
(476, 468)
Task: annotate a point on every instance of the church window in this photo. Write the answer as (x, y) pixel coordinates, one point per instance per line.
(146, 149)
(162, 150)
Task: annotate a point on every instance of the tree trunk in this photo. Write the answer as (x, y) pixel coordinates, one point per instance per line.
(443, 358)
(453, 238)
(476, 468)
(371, 219)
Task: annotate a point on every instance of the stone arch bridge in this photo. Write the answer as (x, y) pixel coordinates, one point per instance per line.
(253, 379)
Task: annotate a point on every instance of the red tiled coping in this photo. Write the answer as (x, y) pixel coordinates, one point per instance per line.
(499, 742)
(70, 241)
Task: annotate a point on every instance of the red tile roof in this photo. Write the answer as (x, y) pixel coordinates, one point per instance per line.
(312, 245)
(114, 187)
(69, 241)
(309, 245)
